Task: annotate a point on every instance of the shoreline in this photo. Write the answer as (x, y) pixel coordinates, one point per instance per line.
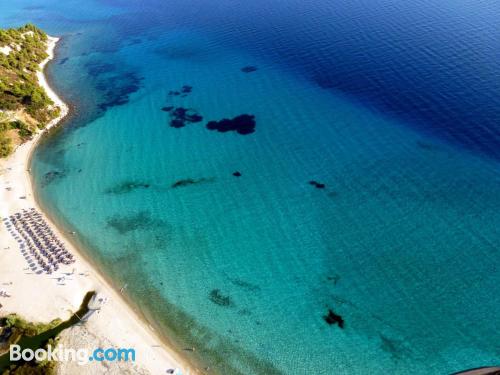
(41, 298)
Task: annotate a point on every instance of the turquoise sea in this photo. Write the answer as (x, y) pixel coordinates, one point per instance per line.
(390, 107)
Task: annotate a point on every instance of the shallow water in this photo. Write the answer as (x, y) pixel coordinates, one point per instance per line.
(390, 105)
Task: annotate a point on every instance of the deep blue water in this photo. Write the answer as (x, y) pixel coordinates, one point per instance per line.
(392, 105)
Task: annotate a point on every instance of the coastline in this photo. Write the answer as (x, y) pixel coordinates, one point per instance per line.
(42, 298)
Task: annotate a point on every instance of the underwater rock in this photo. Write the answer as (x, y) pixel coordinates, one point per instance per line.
(186, 114)
(183, 92)
(242, 124)
(179, 112)
(117, 88)
(317, 184)
(124, 224)
(249, 69)
(237, 174)
(191, 181)
(175, 123)
(332, 318)
(179, 117)
(219, 299)
(126, 187)
(334, 278)
(186, 182)
(194, 118)
(51, 176)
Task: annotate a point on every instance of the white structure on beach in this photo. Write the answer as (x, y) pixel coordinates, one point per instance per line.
(5, 50)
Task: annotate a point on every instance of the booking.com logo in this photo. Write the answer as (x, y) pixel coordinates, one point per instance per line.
(81, 356)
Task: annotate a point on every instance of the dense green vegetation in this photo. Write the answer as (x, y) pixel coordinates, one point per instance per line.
(5, 145)
(25, 328)
(19, 88)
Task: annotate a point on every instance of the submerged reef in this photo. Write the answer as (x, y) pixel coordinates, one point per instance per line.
(117, 89)
(114, 85)
(317, 185)
(249, 69)
(180, 116)
(191, 181)
(135, 221)
(332, 318)
(51, 176)
(242, 124)
(127, 187)
(183, 91)
(219, 299)
(333, 278)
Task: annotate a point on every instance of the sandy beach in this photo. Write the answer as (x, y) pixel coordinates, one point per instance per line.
(43, 297)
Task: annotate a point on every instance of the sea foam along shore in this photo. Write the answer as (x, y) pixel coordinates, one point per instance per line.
(42, 298)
